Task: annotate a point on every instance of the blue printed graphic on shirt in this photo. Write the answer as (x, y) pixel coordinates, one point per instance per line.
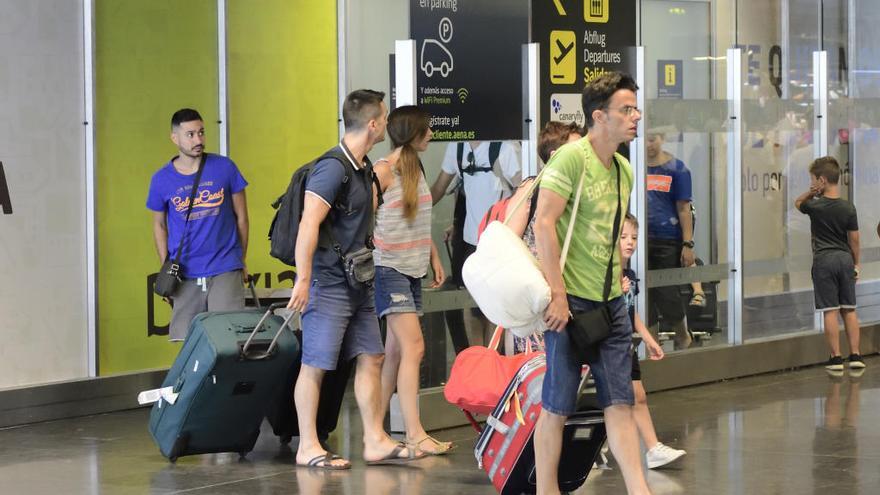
(667, 184)
(212, 245)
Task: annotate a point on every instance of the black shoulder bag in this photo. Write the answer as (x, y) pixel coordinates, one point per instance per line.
(586, 330)
(168, 277)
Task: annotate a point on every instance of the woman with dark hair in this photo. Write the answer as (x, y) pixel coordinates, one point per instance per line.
(404, 250)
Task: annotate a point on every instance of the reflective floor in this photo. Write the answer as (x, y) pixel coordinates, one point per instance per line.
(799, 432)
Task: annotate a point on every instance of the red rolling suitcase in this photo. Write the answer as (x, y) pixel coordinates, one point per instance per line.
(505, 449)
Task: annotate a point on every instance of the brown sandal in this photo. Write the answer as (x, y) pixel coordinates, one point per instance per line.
(698, 299)
(443, 447)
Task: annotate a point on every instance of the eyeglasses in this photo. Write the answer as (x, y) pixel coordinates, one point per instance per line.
(628, 110)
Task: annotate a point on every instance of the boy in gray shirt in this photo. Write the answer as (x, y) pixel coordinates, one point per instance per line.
(834, 228)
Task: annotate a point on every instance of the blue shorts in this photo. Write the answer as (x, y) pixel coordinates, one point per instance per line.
(611, 370)
(336, 319)
(396, 292)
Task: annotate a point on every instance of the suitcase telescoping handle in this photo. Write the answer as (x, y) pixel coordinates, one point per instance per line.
(268, 352)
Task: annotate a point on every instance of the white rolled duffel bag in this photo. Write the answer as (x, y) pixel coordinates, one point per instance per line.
(505, 279)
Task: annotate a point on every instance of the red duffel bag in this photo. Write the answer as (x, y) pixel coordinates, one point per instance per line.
(480, 375)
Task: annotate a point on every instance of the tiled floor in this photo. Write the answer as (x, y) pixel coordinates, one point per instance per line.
(799, 432)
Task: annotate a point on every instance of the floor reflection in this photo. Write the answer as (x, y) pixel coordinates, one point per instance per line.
(780, 433)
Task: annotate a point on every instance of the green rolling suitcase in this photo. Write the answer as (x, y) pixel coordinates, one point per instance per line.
(222, 382)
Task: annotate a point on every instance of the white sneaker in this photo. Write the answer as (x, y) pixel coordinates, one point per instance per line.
(661, 455)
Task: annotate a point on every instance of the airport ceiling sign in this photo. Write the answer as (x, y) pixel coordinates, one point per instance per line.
(580, 40)
(469, 66)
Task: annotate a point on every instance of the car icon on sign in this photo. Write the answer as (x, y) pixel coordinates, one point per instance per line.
(435, 57)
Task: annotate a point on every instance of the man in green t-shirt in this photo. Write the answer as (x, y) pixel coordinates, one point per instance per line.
(609, 103)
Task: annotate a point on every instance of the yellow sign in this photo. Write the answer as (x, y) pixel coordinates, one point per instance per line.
(563, 60)
(669, 70)
(596, 10)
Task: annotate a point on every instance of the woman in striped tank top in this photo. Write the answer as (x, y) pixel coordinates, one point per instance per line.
(404, 250)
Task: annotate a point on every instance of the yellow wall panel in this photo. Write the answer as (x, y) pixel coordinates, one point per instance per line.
(282, 105)
(152, 58)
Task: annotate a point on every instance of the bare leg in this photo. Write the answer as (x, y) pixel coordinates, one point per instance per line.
(682, 339)
(306, 395)
(367, 389)
(390, 369)
(623, 437)
(832, 331)
(408, 333)
(642, 415)
(851, 324)
(548, 447)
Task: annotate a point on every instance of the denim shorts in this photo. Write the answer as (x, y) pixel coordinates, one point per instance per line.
(611, 369)
(336, 319)
(396, 292)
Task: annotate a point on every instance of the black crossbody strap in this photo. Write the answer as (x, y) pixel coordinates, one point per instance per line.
(615, 233)
(189, 208)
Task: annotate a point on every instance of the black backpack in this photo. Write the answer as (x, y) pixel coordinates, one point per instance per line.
(289, 209)
(472, 168)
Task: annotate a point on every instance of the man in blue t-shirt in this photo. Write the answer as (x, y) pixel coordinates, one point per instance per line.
(670, 233)
(215, 238)
(338, 315)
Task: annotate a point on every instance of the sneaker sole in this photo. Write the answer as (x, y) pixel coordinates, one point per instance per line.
(856, 372)
(656, 464)
(834, 367)
(856, 364)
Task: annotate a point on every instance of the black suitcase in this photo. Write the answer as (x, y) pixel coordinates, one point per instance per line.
(582, 440)
(282, 411)
(702, 318)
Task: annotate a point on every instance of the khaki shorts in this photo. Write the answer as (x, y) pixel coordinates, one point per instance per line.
(223, 292)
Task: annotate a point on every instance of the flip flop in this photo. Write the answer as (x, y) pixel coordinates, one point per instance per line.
(393, 457)
(446, 446)
(323, 461)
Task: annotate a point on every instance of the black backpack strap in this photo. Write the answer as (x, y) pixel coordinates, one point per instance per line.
(460, 157)
(533, 204)
(494, 152)
(189, 208)
(615, 233)
(325, 233)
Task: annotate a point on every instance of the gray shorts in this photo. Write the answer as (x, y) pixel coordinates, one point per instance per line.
(834, 281)
(224, 292)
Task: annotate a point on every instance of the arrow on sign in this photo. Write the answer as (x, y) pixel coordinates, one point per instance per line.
(559, 7)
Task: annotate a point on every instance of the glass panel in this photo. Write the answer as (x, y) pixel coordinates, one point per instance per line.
(685, 143)
(778, 39)
(863, 137)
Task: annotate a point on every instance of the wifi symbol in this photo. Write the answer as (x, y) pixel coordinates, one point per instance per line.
(463, 94)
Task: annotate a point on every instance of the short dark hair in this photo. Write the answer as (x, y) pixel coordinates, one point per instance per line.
(554, 135)
(598, 92)
(827, 167)
(184, 115)
(360, 107)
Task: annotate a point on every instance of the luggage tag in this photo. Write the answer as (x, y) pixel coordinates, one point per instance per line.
(151, 396)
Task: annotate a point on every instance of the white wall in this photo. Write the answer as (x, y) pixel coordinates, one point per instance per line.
(43, 242)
